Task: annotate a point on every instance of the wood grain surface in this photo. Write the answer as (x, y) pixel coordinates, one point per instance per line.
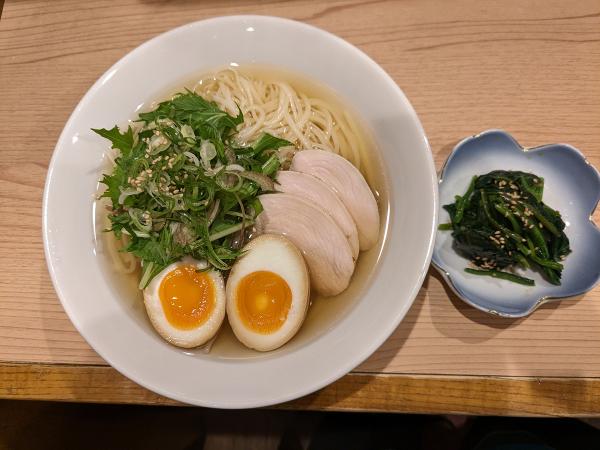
(522, 396)
(531, 67)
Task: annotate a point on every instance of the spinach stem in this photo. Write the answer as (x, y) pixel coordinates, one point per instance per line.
(506, 213)
(539, 241)
(515, 236)
(542, 261)
(462, 202)
(502, 275)
(545, 222)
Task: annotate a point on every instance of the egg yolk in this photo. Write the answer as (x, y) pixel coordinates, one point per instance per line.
(187, 297)
(263, 301)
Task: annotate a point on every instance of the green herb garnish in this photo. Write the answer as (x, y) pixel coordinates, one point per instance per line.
(181, 185)
(502, 222)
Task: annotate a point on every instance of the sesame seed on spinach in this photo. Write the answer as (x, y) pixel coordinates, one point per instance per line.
(502, 222)
(182, 185)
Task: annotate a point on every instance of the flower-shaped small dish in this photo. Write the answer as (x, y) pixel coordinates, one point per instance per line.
(571, 186)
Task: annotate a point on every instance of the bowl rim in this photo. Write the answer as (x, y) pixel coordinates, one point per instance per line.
(384, 331)
(538, 148)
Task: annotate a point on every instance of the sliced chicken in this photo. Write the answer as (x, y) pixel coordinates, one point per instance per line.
(314, 190)
(349, 184)
(323, 244)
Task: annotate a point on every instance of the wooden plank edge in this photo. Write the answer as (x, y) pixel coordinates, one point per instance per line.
(401, 393)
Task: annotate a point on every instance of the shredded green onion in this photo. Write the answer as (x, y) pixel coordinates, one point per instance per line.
(180, 186)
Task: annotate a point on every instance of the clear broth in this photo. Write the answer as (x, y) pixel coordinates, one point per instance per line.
(324, 312)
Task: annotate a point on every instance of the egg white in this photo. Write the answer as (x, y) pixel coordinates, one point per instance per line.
(278, 255)
(185, 338)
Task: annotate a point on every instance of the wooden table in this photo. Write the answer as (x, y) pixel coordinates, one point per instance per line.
(531, 67)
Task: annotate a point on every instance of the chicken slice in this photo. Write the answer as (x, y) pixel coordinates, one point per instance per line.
(314, 190)
(349, 184)
(322, 243)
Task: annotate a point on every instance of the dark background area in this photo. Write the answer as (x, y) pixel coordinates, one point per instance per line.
(48, 425)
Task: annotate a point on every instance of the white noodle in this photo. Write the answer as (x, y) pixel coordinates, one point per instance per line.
(279, 109)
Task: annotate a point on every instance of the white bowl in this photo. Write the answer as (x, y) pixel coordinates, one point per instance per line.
(103, 314)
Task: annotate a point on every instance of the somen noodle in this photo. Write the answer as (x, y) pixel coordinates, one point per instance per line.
(277, 108)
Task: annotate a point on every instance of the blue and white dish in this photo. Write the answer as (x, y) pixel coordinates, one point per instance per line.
(572, 186)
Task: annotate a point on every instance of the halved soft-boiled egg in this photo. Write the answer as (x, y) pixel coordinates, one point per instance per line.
(267, 293)
(186, 302)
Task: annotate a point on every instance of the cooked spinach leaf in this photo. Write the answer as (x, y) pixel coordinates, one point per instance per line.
(502, 222)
